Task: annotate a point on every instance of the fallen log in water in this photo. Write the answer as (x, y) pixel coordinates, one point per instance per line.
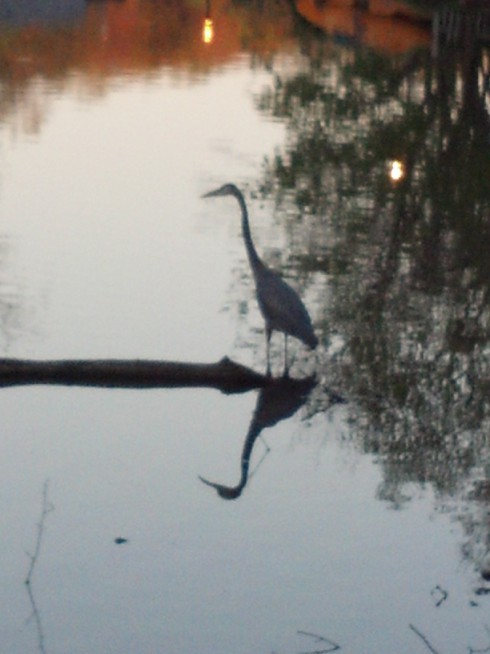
(224, 375)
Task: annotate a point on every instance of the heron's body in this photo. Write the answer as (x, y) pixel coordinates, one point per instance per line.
(282, 309)
(280, 305)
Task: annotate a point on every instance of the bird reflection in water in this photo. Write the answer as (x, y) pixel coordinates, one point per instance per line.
(279, 400)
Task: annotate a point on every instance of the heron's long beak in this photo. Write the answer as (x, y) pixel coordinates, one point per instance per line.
(210, 194)
(226, 492)
(209, 483)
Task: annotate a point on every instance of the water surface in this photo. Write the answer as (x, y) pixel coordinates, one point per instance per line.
(363, 521)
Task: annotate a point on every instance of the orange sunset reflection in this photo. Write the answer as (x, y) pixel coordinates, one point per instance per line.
(207, 31)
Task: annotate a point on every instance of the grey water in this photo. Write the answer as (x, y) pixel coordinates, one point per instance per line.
(352, 509)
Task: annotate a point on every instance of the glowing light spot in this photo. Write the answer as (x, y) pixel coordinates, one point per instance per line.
(397, 170)
(207, 31)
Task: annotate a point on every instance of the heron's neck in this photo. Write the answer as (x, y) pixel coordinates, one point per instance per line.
(254, 258)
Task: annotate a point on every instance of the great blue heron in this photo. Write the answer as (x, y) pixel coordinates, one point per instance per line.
(281, 306)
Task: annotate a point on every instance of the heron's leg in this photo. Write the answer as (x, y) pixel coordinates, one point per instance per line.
(268, 334)
(286, 369)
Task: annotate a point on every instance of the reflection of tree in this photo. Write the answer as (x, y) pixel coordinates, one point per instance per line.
(407, 264)
(134, 37)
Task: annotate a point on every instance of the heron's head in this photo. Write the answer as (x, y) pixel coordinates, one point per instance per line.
(226, 189)
(226, 492)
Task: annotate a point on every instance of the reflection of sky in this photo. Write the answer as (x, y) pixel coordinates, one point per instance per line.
(114, 224)
(307, 547)
(22, 12)
(116, 255)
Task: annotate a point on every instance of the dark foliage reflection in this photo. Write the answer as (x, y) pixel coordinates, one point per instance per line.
(406, 262)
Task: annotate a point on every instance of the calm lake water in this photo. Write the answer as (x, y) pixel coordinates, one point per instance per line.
(362, 518)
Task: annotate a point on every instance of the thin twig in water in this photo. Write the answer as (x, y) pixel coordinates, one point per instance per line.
(471, 650)
(423, 638)
(333, 647)
(261, 460)
(47, 507)
(439, 594)
(37, 619)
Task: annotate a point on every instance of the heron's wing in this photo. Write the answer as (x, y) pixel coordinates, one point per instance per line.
(282, 307)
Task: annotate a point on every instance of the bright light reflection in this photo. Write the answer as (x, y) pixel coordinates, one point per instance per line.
(207, 30)
(397, 170)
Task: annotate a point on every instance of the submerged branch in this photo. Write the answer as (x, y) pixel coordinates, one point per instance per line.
(423, 638)
(332, 646)
(225, 375)
(47, 507)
